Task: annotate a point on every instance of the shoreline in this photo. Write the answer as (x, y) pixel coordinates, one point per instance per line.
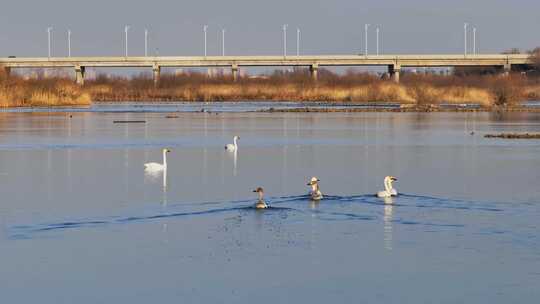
(514, 135)
(263, 106)
(414, 109)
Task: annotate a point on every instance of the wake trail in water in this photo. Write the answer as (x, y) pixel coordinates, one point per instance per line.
(24, 231)
(436, 202)
(420, 201)
(323, 209)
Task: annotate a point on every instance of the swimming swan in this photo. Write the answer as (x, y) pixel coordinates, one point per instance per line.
(315, 192)
(234, 146)
(154, 167)
(389, 190)
(261, 204)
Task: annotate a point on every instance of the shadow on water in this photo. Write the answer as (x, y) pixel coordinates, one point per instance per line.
(324, 210)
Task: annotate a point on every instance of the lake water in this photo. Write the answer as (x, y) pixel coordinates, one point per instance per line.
(82, 222)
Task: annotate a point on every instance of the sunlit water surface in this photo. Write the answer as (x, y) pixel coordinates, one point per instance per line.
(82, 223)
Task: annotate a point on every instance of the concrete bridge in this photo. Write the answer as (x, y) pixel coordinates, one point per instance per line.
(394, 63)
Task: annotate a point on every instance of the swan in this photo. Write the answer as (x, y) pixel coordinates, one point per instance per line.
(234, 145)
(315, 192)
(155, 167)
(261, 204)
(389, 190)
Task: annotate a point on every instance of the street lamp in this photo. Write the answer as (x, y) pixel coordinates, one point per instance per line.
(285, 40)
(297, 41)
(145, 42)
(223, 42)
(205, 29)
(474, 40)
(49, 30)
(69, 43)
(366, 26)
(465, 38)
(126, 29)
(377, 30)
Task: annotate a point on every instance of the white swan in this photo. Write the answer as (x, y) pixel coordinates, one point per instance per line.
(389, 190)
(315, 192)
(261, 204)
(156, 167)
(234, 145)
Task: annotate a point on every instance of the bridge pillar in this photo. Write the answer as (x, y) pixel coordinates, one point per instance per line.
(156, 73)
(234, 71)
(507, 68)
(314, 71)
(394, 71)
(79, 75)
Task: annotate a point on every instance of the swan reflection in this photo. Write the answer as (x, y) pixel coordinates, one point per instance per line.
(387, 219)
(235, 160)
(164, 200)
(234, 156)
(153, 177)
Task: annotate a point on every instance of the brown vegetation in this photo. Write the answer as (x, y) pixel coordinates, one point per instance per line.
(17, 92)
(296, 86)
(507, 90)
(419, 89)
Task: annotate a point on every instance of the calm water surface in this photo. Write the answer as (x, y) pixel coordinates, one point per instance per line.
(82, 223)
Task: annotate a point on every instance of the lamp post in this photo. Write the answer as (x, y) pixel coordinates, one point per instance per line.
(49, 33)
(145, 42)
(377, 40)
(223, 42)
(69, 43)
(465, 38)
(205, 30)
(366, 26)
(474, 40)
(285, 40)
(297, 41)
(126, 29)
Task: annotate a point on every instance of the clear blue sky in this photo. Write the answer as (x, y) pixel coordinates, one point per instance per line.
(254, 26)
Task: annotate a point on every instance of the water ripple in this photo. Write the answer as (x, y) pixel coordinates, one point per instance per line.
(325, 211)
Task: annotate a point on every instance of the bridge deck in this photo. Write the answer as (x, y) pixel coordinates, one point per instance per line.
(236, 61)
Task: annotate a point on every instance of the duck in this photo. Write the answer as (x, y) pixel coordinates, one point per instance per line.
(389, 190)
(315, 192)
(156, 167)
(261, 204)
(234, 146)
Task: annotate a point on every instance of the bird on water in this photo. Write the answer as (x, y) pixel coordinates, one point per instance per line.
(389, 190)
(315, 192)
(234, 146)
(261, 204)
(156, 167)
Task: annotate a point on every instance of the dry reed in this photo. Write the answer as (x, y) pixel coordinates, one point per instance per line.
(487, 90)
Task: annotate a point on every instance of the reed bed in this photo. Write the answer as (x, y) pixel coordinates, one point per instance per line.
(420, 89)
(17, 92)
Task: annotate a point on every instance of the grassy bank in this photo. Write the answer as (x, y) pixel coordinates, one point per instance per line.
(416, 89)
